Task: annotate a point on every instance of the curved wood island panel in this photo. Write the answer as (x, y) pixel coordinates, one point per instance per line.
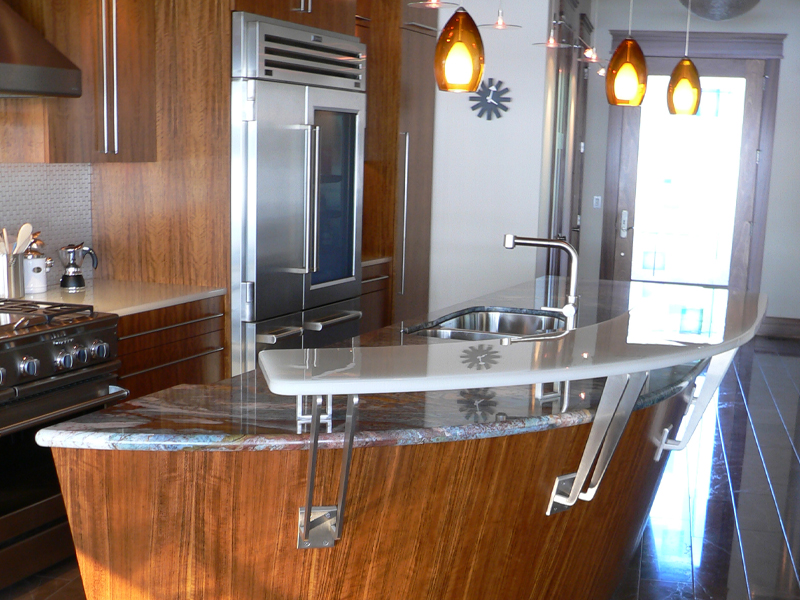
(462, 519)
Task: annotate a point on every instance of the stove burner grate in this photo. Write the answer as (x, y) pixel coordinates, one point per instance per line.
(48, 310)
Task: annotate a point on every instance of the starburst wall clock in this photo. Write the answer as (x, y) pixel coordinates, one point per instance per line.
(490, 99)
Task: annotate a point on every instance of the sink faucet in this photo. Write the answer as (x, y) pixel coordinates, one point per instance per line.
(570, 309)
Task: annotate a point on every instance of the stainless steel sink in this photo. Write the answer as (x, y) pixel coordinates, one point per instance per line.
(481, 323)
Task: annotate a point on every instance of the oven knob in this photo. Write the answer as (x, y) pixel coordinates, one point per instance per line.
(29, 366)
(63, 360)
(81, 353)
(100, 349)
(2, 375)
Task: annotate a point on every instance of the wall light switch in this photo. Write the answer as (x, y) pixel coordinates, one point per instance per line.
(597, 201)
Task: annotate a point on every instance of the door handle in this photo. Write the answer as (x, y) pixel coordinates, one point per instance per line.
(335, 318)
(405, 213)
(310, 197)
(278, 333)
(623, 224)
(315, 174)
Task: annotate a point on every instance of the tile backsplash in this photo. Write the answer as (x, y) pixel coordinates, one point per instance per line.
(55, 199)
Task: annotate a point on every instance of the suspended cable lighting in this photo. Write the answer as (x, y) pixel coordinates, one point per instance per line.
(626, 78)
(683, 93)
(458, 62)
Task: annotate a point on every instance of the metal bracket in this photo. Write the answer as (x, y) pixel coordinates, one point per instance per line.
(616, 403)
(321, 526)
(559, 394)
(304, 417)
(714, 374)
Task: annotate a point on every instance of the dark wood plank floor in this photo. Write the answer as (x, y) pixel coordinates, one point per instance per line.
(725, 524)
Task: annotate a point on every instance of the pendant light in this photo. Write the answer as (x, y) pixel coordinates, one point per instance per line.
(500, 22)
(683, 93)
(431, 4)
(626, 78)
(458, 62)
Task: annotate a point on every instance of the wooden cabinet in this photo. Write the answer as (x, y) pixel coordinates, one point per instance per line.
(415, 171)
(169, 346)
(114, 120)
(333, 15)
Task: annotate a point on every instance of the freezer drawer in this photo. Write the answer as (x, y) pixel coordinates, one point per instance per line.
(316, 328)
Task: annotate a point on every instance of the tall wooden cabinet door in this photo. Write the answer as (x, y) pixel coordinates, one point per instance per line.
(125, 118)
(331, 15)
(415, 175)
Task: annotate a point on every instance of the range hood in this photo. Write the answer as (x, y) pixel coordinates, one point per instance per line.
(29, 64)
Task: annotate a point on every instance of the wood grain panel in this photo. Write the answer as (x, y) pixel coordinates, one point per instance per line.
(383, 41)
(436, 521)
(333, 15)
(169, 221)
(171, 315)
(208, 368)
(23, 130)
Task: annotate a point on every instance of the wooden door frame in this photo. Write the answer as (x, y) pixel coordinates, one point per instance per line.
(623, 127)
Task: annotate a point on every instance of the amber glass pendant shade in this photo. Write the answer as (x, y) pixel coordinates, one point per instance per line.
(458, 62)
(626, 76)
(683, 94)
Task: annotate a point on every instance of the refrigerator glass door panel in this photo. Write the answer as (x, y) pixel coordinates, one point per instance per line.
(280, 165)
(336, 225)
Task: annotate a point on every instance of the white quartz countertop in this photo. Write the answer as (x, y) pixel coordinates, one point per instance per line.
(128, 297)
(635, 340)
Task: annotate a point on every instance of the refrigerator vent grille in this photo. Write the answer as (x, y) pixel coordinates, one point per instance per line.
(303, 57)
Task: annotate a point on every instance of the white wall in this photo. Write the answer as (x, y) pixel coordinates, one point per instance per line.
(487, 173)
(782, 250)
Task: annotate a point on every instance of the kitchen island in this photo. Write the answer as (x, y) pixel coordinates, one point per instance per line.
(195, 491)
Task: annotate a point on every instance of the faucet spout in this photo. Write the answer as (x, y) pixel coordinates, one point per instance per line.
(569, 310)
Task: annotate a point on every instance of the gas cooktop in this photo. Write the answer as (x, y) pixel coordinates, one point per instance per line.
(45, 339)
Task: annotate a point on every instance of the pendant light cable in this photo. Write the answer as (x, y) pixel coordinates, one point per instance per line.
(688, 21)
(630, 19)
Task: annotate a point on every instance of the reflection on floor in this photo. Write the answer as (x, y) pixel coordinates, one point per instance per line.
(726, 520)
(725, 524)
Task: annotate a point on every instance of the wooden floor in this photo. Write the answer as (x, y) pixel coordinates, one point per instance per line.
(726, 521)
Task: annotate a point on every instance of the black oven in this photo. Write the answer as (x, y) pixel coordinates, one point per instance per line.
(57, 361)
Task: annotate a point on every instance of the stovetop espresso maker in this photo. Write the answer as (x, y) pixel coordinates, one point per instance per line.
(72, 257)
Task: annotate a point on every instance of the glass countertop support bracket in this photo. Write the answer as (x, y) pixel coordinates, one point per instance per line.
(717, 369)
(616, 404)
(321, 526)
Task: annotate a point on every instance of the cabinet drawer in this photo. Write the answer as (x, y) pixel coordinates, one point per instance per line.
(162, 318)
(167, 354)
(175, 333)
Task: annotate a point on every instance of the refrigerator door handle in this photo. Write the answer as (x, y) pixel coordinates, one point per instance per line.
(308, 168)
(280, 333)
(340, 317)
(315, 173)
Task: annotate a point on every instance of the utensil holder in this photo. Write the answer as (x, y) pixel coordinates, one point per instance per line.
(12, 280)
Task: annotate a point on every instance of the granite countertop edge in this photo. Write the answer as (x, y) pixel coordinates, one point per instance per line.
(90, 436)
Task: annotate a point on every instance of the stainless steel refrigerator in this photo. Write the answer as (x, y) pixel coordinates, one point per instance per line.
(298, 115)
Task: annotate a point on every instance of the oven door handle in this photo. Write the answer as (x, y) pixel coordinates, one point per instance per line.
(280, 333)
(117, 393)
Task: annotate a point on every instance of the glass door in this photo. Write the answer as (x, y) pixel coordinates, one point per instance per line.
(339, 119)
(685, 191)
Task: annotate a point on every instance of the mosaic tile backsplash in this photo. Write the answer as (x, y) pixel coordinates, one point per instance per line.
(56, 200)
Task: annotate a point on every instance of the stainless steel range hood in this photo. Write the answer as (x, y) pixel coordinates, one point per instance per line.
(29, 64)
